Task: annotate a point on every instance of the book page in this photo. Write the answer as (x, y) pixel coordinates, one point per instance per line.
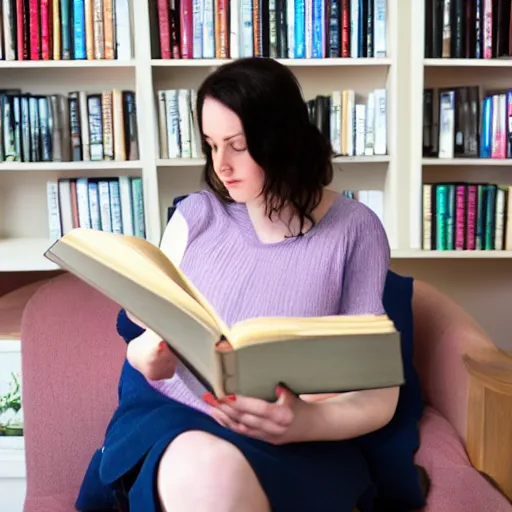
(264, 330)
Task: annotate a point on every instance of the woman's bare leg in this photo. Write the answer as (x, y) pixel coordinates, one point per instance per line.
(201, 472)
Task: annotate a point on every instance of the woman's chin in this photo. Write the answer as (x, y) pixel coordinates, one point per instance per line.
(239, 196)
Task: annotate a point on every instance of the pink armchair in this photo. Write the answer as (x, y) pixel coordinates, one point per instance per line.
(72, 357)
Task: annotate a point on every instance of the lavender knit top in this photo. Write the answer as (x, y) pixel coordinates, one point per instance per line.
(338, 267)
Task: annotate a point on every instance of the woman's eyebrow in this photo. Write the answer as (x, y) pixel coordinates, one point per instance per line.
(225, 138)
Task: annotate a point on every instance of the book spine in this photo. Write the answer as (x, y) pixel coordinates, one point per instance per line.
(56, 30)
(79, 30)
(104, 201)
(115, 206)
(54, 225)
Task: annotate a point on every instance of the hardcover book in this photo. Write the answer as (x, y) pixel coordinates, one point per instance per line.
(328, 354)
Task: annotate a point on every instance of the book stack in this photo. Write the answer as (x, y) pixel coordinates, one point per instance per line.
(354, 125)
(65, 30)
(178, 130)
(107, 204)
(292, 29)
(79, 127)
(467, 216)
(476, 29)
(458, 122)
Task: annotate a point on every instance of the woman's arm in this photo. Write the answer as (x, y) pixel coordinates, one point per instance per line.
(357, 413)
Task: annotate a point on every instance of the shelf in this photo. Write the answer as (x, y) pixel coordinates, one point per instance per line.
(491, 162)
(465, 63)
(420, 254)
(70, 166)
(66, 64)
(24, 254)
(180, 162)
(377, 159)
(334, 62)
(339, 160)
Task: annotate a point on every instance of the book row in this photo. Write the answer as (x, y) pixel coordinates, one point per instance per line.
(476, 29)
(354, 125)
(293, 29)
(81, 126)
(65, 30)
(467, 216)
(107, 204)
(458, 122)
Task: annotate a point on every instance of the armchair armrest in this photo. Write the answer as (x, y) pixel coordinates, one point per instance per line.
(489, 417)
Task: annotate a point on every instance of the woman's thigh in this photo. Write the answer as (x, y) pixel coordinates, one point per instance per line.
(199, 471)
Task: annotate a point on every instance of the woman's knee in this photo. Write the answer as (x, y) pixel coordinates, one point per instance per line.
(199, 464)
(202, 453)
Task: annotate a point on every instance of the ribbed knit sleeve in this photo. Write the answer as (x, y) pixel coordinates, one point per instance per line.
(366, 265)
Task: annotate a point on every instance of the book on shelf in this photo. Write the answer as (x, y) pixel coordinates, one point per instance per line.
(66, 30)
(311, 355)
(461, 122)
(355, 126)
(467, 216)
(286, 29)
(82, 126)
(113, 205)
(476, 29)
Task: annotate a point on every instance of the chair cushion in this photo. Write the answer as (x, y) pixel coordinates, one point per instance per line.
(394, 445)
(455, 484)
(12, 305)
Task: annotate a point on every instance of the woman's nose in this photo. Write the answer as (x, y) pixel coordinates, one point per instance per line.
(221, 161)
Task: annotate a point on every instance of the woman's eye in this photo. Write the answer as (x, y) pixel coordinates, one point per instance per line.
(239, 147)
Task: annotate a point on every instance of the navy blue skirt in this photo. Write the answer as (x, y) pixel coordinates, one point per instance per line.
(302, 477)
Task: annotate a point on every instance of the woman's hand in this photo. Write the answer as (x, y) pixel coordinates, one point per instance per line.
(151, 356)
(280, 422)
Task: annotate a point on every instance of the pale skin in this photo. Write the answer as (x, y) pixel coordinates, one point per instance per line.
(199, 471)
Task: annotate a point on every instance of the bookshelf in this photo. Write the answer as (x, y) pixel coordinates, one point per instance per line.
(488, 75)
(24, 231)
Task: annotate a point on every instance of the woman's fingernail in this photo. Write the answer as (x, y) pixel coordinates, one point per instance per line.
(230, 398)
(279, 391)
(161, 346)
(210, 399)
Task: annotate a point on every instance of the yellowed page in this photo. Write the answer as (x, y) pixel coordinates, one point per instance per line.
(261, 330)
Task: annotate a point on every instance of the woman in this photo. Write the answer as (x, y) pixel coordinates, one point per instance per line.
(267, 238)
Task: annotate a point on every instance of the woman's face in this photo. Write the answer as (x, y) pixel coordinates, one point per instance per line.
(232, 163)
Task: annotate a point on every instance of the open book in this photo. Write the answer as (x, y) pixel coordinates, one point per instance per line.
(310, 355)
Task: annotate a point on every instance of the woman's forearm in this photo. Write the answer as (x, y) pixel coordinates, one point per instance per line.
(348, 415)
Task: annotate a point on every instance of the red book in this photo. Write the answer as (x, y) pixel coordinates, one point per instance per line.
(35, 39)
(186, 29)
(345, 29)
(460, 220)
(45, 30)
(20, 31)
(471, 218)
(164, 30)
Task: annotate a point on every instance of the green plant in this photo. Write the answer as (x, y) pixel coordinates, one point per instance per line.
(12, 399)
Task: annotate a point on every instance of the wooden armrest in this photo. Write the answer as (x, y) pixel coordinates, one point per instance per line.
(489, 427)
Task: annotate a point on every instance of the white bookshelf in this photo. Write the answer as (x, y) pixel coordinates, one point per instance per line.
(488, 74)
(23, 212)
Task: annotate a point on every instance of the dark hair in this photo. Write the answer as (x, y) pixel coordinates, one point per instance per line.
(294, 155)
